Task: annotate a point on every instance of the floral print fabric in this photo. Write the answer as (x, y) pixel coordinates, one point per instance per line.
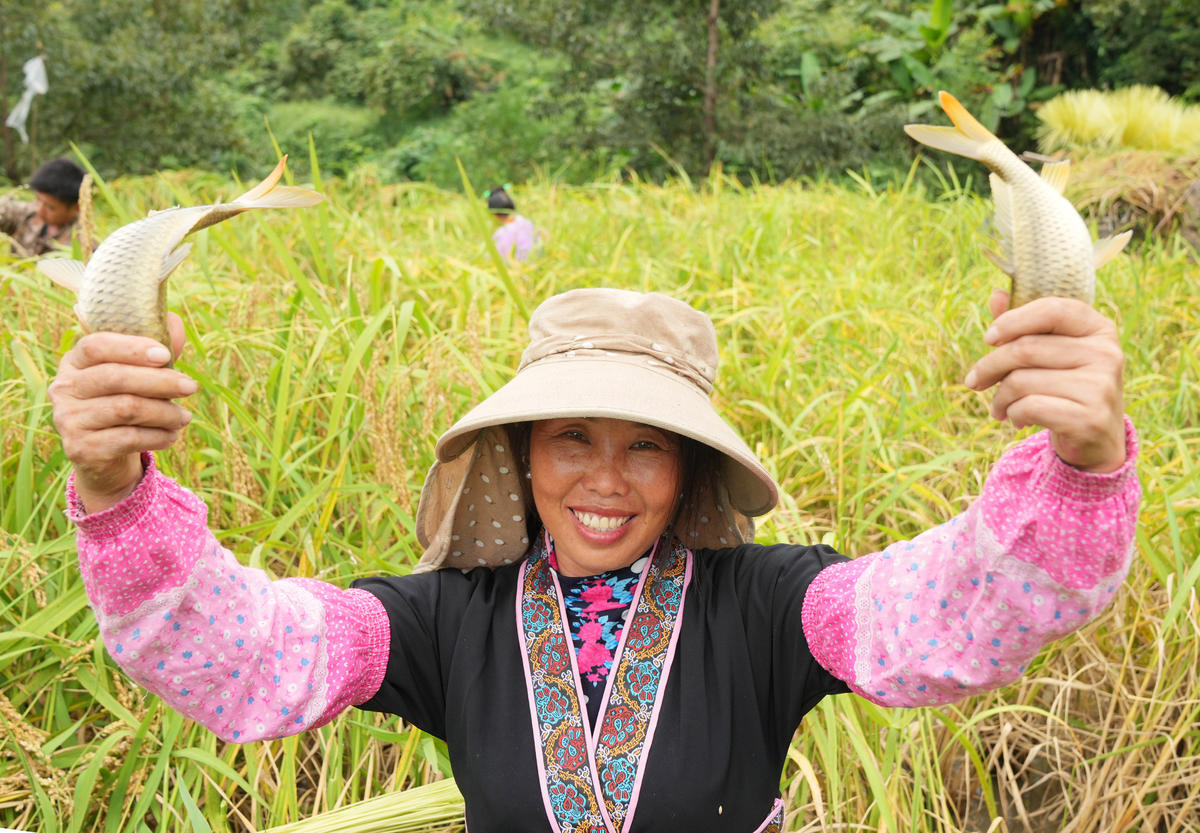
(597, 607)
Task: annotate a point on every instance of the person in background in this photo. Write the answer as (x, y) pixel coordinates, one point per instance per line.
(516, 237)
(592, 629)
(48, 222)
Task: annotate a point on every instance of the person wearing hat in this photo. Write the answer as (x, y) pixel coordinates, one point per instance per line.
(591, 627)
(48, 222)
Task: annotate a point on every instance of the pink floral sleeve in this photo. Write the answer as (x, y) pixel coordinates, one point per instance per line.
(247, 656)
(964, 607)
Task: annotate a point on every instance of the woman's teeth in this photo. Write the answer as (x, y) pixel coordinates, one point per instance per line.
(601, 523)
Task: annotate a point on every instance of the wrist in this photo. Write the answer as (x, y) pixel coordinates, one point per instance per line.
(101, 489)
(1101, 456)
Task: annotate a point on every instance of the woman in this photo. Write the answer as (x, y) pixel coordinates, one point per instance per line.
(606, 508)
(515, 237)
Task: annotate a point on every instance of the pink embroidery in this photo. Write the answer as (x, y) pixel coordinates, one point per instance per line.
(964, 607)
(244, 655)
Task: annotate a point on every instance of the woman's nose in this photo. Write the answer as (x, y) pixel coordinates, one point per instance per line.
(606, 474)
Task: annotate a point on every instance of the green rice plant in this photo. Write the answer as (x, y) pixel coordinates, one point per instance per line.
(332, 346)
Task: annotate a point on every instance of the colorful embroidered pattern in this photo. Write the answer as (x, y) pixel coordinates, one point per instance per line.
(594, 790)
(597, 608)
(774, 823)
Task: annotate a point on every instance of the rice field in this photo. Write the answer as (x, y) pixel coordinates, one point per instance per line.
(333, 344)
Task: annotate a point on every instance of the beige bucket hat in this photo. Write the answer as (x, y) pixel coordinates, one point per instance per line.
(647, 358)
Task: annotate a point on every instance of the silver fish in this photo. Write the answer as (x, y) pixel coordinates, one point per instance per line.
(123, 287)
(1044, 245)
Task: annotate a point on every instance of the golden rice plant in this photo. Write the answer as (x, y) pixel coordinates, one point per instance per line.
(1138, 117)
(332, 346)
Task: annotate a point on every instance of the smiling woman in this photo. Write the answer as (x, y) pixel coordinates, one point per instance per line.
(605, 489)
(592, 629)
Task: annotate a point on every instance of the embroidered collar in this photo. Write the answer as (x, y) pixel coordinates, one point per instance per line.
(590, 777)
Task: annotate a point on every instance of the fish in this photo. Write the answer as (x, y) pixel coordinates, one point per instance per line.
(123, 286)
(1042, 242)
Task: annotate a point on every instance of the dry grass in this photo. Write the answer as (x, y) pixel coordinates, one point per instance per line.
(1152, 192)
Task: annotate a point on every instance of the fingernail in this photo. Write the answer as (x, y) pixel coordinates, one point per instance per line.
(158, 354)
(188, 386)
(187, 416)
(970, 380)
(991, 335)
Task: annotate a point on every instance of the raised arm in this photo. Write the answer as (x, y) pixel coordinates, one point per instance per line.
(964, 608)
(246, 656)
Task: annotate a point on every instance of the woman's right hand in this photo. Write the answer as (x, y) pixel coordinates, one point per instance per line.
(112, 400)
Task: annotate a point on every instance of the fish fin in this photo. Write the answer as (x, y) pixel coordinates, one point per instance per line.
(964, 139)
(1105, 250)
(66, 273)
(82, 321)
(289, 196)
(948, 139)
(266, 194)
(1001, 263)
(1002, 216)
(963, 120)
(1056, 173)
(269, 182)
(172, 261)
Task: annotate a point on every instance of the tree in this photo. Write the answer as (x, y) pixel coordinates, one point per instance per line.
(644, 75)
(138, 83)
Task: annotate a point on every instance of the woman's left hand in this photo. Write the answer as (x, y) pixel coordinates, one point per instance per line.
(1057, 363)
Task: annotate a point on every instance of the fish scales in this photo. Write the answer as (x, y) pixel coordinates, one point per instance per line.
(113, 298)
(1043, 244)
(123, 287)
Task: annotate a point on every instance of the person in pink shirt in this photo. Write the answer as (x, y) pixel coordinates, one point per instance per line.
(515, 238)
(591, 627)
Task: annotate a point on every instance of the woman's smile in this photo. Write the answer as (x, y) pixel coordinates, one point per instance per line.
(601, 523)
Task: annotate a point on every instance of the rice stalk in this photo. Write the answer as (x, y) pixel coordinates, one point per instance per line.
(431, 808)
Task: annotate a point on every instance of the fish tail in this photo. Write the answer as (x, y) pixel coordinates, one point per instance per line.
(967, 138)
(266, 194)
(269, 194)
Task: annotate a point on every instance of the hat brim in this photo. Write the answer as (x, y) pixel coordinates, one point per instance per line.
(607, 385)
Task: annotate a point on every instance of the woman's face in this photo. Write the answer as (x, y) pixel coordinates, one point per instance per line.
(605, 488)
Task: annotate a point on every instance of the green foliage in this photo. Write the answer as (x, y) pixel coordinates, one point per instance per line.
(497, 138)
(636, 71)
(968, 50)
(348, 133)
(394, 58)
(819, 133)
(124, 79)
(802, 87)
(1147, 43)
